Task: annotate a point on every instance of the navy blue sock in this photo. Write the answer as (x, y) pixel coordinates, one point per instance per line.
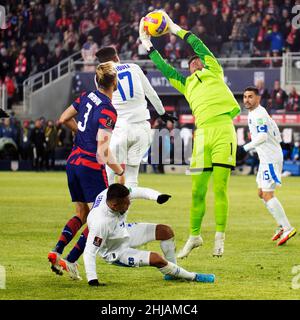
(68, 233)
(78, 249)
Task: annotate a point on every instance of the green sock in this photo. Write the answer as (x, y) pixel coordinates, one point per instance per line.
(220, 179)
(199, 189)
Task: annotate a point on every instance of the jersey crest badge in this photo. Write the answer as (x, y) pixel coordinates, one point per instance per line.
(97, 242)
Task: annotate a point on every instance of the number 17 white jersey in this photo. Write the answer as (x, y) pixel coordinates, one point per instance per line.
(129, 100)
(259, 121)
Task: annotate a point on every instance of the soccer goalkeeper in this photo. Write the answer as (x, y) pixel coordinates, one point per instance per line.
(214, 152)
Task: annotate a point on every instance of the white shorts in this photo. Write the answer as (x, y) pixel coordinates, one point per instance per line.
(140, 233)
(269, 176)
(130, 142)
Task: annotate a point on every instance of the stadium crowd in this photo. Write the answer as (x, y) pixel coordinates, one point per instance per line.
(41, 142)
(41, 33)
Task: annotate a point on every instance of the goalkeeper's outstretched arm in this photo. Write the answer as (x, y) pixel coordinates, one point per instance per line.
(176, 79)
(201, 50)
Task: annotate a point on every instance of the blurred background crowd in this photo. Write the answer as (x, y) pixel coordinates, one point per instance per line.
(42, 33)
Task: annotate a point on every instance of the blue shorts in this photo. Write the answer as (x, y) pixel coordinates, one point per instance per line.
(85, 183)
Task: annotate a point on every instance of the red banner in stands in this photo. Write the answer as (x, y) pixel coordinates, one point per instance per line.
(278, 118)
(242, 119)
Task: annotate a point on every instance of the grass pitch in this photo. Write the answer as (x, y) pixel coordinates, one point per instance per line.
(35, 206)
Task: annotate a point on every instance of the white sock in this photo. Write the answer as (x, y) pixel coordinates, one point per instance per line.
(131, 176)
(177, 272)
(275, 208)
(168, 248)
(220, 235)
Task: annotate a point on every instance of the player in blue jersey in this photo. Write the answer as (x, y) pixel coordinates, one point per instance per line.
(95, 120)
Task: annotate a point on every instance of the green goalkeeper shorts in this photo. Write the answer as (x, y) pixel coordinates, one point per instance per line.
(215, 144)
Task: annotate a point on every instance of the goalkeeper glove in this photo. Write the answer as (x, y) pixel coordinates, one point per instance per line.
(162, 198)
(144, 37)
(167, 117)
(173, 27)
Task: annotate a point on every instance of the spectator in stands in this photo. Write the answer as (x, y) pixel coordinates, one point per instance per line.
(7, 130)
(61, 134)
(59, 55)
(238, 35)
(207, 19)
(262, 32)
(51, 139)
(295, 152)
(43, 65)
(25, 141)
(129, 48)
(264, 94)
(22, 29)
(63, 23)
(276, 40)
(39, 19)
(279, 98)
(292, 40)
(11, 90)
(224, 29)
(88, 52)
(38, 143)
(252, 30)
(40, 49)
(21, 71)
(6, 61)
(293, 103)
(193, 15)
(173, 49)
(28, 54)
(86, 24)
(50, 13)
(103, 25)
(285, 23)
(14, 51)
(70, 40)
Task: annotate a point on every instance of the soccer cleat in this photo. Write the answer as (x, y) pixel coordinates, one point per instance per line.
(54, 258)
(278, 233)
(169, 277)
(71, 268)
(201, 277)
(192, 242)
(286, 236)
(219, 244)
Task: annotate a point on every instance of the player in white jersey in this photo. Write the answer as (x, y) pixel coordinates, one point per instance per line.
(265, 138)
(132, 134)
(116, 241)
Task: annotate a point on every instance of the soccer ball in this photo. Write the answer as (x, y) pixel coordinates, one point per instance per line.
(155, 24)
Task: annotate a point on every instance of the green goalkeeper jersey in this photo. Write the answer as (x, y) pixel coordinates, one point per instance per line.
(205, 90)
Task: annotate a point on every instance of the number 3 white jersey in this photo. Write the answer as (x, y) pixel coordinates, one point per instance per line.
(129, 100)
(262, 125)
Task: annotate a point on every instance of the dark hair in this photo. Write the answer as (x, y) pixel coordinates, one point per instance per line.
(117, 191)
(253, 89)
(106, 54)
(193, 58)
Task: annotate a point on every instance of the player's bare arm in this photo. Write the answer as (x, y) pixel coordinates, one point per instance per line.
(68, 118)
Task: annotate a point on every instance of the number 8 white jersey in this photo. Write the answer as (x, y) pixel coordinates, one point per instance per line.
(129, 100)
(259, 121)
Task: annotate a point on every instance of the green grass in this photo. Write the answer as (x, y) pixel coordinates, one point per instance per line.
(35, 206)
